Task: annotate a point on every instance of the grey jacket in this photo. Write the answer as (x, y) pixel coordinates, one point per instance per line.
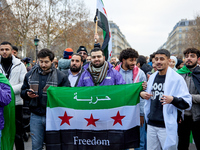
(195, 111)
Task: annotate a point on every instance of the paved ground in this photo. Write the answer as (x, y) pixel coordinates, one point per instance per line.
(28, 146)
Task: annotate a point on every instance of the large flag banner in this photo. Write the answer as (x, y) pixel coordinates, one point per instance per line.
(8, 133)
(104, 25)
(99, 117)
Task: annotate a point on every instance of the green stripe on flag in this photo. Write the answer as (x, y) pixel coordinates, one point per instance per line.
(96, 97)
(8, 133)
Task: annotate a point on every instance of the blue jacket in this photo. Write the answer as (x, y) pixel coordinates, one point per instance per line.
(5, 99)
(113, 77)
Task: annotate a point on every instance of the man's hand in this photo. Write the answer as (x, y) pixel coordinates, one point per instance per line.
(166, 99)
(145, 95)
(141, 121)
(31, 94)
(96, 38)
(144, 85)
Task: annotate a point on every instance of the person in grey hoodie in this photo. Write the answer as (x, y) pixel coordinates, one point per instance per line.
(64, 63)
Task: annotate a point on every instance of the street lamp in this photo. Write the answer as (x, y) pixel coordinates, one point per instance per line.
(36, 40)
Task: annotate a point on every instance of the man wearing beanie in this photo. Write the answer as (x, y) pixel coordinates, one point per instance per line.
(83, 52)
(64, 63)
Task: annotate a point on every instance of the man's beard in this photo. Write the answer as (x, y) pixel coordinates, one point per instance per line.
(75, 69)
(127, 66)
(190, 66)
(100, 65)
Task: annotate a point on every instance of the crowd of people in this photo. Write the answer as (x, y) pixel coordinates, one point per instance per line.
(169, 101)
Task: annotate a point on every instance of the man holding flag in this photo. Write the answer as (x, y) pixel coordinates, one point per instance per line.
(99, 72)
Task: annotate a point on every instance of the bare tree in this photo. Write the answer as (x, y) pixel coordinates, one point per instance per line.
(193, 36)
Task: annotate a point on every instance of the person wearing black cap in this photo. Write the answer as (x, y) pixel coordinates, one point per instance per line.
(15, 51)
(26, 62)
(83, 52)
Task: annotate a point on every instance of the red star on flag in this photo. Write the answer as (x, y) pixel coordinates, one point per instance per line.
(118, 118)
(65, 119)
(104, 11)
(91, 121)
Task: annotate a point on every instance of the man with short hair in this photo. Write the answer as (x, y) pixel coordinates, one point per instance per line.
(83, 52)
(14, 70)
(75, 70)
(99, 72)
(34, 89)
(142, 64)
(132, 74)
(15, 51)
(191, 121)
(166, 93)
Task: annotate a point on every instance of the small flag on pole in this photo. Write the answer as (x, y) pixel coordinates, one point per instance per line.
(104, 25)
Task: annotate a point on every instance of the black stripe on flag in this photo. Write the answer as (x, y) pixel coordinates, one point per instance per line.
(103, 24)
(90, 140)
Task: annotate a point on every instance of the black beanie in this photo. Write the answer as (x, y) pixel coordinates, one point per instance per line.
(82, 48)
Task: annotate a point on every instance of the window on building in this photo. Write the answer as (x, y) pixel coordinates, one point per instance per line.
(180, 29)
(180, 42)
(0, 4)
(180, 36)
(186, 29)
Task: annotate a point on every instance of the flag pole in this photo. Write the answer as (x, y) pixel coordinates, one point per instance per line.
(96, 25)
(96, 28)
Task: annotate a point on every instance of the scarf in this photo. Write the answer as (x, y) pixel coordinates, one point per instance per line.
(195, 74)
(98, 75)
(52, 80)
(184, 70)
(174, 85)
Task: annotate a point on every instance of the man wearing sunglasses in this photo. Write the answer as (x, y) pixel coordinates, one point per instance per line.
(83, 52)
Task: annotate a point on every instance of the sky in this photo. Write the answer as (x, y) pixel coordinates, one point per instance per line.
(147, 23)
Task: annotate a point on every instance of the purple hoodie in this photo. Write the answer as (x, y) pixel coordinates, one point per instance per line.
(113, 77)
(5, 99)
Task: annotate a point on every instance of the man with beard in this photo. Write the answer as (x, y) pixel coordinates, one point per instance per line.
(99, 72)
(191, 122)
(34, 89)
(166, 93)
(132, 74)
(14, 70)
(75, 70)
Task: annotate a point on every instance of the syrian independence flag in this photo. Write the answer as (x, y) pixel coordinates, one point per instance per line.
(99, 117)
(8, 132)
(103, 24)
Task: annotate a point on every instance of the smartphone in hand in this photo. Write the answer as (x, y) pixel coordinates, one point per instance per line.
(28, 90)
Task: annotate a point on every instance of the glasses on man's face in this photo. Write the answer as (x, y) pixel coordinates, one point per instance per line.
(84, 53)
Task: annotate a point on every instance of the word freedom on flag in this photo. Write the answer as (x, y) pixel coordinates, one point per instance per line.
(99, 117)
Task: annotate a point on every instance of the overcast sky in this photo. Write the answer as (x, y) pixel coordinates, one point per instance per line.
(147, 23)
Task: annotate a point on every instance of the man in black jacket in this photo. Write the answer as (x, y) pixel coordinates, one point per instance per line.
(191, 122)
(34, 89)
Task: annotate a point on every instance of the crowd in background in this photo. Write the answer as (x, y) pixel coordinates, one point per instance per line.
(79, 68)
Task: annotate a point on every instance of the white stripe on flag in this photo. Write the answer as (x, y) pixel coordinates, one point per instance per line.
(131, 119)
(100, 7)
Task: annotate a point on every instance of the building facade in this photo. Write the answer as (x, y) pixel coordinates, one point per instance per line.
(119, 41)
(177, 40)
